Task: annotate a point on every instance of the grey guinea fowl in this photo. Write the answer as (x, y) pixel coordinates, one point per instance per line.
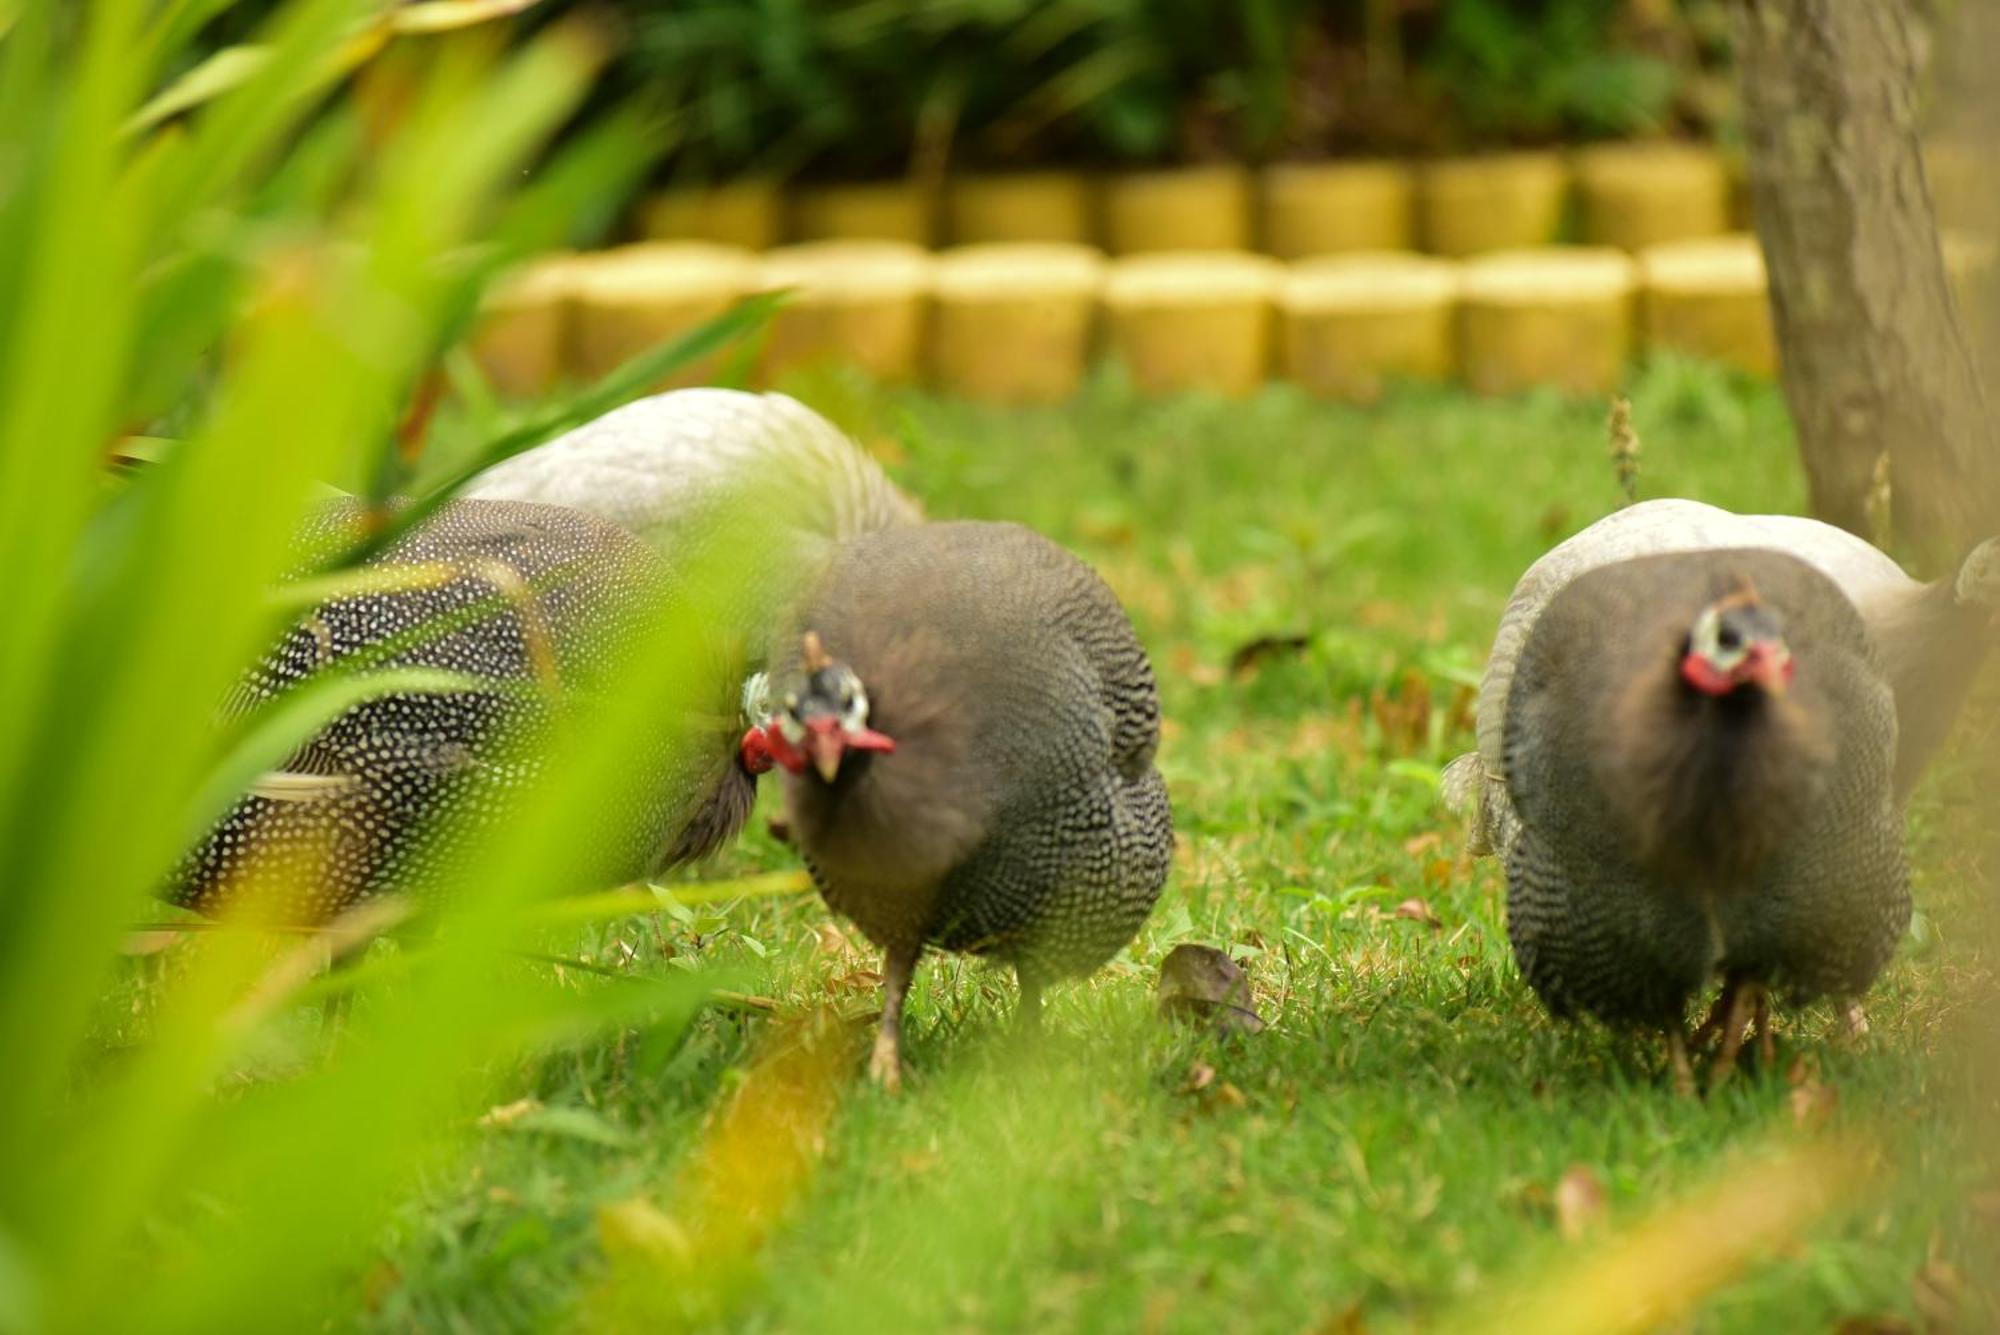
(1931, 638)
(534, 599)
(967, 729)
(1700, 748)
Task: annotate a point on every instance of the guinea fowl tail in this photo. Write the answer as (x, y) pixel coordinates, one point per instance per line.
(1463, 787)
(1978, 582)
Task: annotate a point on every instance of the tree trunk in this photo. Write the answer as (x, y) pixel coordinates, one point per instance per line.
(1873, 354)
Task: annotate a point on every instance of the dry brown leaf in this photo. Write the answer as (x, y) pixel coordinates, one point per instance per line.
(1416, 910)
(855, 982)
(1874, 1325)
(1346, 1321)
(1199, 1077)
(1201, 984)
(1580, 1201)
(1423, 843)
(506, 1114)
(1813, 1104)
(1229, 1096)
(381, 1280)
(1939, 1292)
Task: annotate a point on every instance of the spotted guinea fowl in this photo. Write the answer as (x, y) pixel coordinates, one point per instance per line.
(1931, 638)
(685, 469)
(1699, 748)
(757, 483)
(530, 601)
(967, 726)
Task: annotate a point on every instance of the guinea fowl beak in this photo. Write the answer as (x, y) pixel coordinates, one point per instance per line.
(825, 745)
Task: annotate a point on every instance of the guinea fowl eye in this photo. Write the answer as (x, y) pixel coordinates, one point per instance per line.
(1728, 639)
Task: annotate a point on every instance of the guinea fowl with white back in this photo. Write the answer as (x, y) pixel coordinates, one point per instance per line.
(1699, 750)
(967, 726)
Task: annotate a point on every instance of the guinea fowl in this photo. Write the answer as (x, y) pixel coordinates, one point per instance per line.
(531, 601)
(1699, 748)
(681, 468)
(967, 726)
(609, 509)
(1931, 638)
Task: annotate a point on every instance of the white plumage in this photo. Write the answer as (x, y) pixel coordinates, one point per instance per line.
(661, 464)
(1922, 629)
(756, 490)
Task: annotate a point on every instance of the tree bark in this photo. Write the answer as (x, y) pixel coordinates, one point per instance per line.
(1873, 354)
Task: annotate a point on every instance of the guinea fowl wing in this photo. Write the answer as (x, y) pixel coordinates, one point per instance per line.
(529, 600)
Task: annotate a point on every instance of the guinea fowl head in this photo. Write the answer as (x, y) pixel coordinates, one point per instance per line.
(1737, 642)
(818, 723)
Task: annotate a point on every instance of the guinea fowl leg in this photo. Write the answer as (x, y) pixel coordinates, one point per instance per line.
(885, 1064)
(1767, 1040)
(1718, 1015)
(1677, 1059)
(1743, 1001)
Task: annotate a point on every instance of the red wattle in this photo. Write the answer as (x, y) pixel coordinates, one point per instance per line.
(754, 752)
(867, 739)
(1703, 675)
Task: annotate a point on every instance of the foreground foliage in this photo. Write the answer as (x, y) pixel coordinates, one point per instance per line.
(1412, 1138)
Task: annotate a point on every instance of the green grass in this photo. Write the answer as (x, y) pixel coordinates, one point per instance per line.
(1390, 1146)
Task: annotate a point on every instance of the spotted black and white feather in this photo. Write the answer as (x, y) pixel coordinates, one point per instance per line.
(530, 602)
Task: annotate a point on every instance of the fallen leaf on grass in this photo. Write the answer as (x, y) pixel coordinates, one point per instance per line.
(1939, 1292)
(855, 982)
(1874, 1325)
(1199, 1077)
(572, 1123)
(1247, 658)
(1201, 984)
(1421, 844)
(1579, 1202)
(636, 1227)
(1347, 1321)
(1229, 1096)
(506, 1114)
(1416, 910)
(1813, 1104)
(381, 1280)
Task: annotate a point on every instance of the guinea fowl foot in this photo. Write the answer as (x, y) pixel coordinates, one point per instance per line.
(1767, 1039)
(885, 1061)
(1746, 999)
(1711, 1024)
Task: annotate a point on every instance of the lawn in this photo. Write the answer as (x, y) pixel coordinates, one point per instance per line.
(1317, 585)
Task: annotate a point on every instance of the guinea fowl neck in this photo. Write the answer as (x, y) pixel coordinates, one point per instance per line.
(1708, 786)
